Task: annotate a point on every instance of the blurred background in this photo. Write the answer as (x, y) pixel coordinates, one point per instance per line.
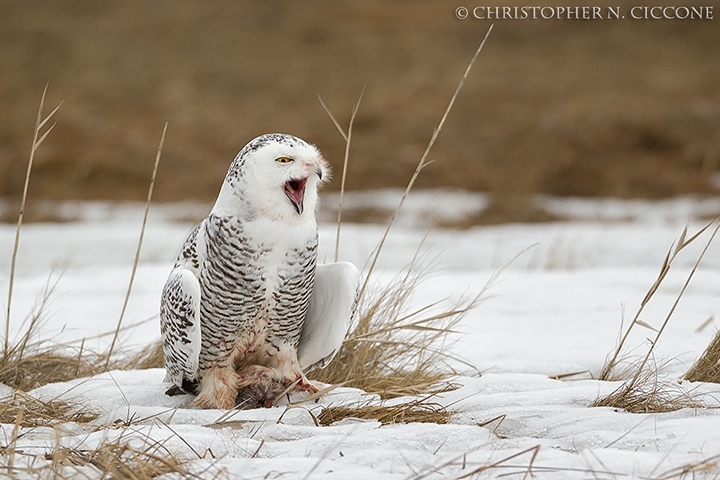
(605, 108)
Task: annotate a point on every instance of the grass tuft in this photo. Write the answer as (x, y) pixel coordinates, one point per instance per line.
(27, 411)
(120, 461)
(391, 352)
(149, 357)
(643, 392)
(707, 367)
(416, 411)
(649, 394)
(28, 363)
(612, 362)
(33, 371)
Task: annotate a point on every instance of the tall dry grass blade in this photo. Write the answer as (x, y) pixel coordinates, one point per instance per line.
(611, 363)
(347, 137)
(47, 132)
(332, 117)
(422, 163)
(344, 172)
(707, 322)
(39, 123)
(644, 392)
(677, 299)
(137, 252)
(692, 239)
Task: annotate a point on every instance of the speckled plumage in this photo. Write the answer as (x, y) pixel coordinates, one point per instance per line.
(234, 305)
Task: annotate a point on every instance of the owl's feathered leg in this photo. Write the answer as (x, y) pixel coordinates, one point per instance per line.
(218, 388)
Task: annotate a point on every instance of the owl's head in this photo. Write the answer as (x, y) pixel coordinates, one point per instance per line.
(276, 175)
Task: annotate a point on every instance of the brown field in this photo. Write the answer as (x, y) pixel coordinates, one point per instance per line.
(627, 108)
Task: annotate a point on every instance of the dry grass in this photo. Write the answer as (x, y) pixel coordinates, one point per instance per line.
(118, 460)
(149, 357)
(49, 364)
(649, 398)
(392, 352)
(30, 363)
(43, 364)
(707, 367)
(37, 141)
(643, 392)
(611, 363)
(136, 458)
(27, 363)
(28, 411)
(418, 411)
(33, 371)
(649, 394)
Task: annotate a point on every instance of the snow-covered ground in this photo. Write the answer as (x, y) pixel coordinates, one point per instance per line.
(555, 307)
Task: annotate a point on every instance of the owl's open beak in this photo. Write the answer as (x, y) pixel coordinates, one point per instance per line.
(295, 191)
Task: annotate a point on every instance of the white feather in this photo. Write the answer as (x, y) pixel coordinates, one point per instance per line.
(329, 314)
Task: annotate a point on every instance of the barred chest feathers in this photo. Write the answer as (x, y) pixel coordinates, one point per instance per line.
(257, 277)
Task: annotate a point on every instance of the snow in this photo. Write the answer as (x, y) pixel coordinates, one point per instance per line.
(555, 297)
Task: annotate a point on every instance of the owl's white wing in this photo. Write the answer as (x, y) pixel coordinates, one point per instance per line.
(330, 312)
(180, 326)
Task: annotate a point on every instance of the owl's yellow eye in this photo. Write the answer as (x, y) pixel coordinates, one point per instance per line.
(283, 159)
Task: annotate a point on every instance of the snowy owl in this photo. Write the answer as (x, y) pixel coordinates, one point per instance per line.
(245, 310)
